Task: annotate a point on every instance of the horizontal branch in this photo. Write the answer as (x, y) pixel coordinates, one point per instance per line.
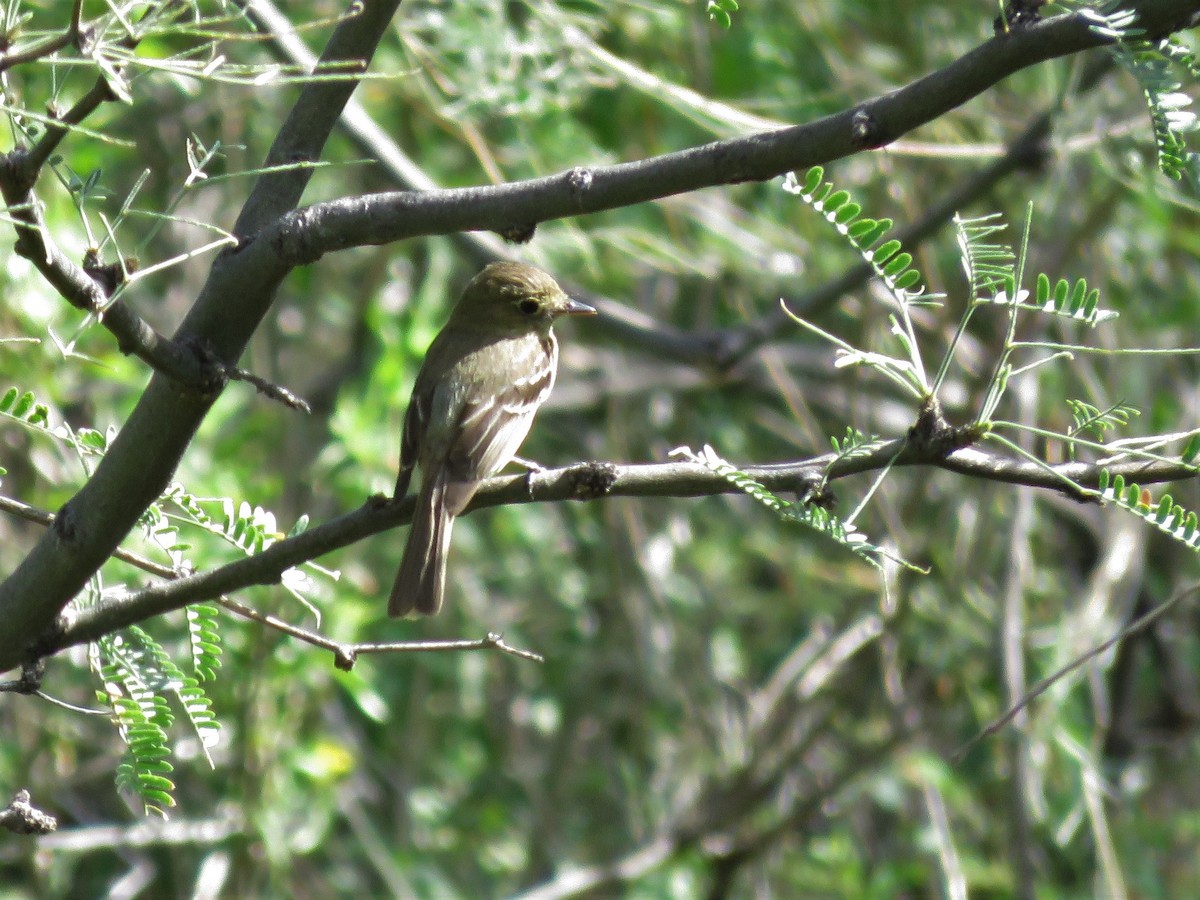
(582, 481)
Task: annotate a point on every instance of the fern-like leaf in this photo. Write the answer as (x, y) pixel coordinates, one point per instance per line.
(990, 267)
(23, 407)
(137, 675)
(814, 517)
(142, 719)
(1165, 514)
(1150, 63)
(1062, 299)
(205, 641)
(1097, 421)
(159, 673)
(853, 444)
(889, 263)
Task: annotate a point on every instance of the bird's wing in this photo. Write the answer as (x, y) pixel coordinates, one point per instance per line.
(416, 420)
(493, 423)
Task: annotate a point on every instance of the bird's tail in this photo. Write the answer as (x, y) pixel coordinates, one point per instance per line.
(422, 577)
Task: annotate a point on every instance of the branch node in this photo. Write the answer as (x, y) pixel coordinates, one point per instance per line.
(865, 132)
(518, 232)
(1018, 14)
(591, 480)
(30, 681)
(579, 182)
(932, 437)
(108, 276)
(213, 373)
(22, 817)
(85, 40)
(64, 524)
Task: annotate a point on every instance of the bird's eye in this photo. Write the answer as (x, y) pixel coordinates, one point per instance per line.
(529, 307)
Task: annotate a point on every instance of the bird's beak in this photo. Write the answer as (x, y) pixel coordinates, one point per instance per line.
(578, 308)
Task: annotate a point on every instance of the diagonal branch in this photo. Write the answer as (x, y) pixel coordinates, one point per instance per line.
(307, 234)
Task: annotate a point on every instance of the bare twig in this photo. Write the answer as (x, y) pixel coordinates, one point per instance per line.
(346, 655)
(268, 389)
(494, 641)
(1139, 624)
(31, 162)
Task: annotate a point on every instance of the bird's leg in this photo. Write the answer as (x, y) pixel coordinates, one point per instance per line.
(531, 469)
(529, 464)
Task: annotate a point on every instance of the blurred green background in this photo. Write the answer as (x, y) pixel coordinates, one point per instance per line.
(729, 704)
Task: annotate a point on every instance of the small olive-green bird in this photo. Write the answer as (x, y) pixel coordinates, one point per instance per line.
(482, 381)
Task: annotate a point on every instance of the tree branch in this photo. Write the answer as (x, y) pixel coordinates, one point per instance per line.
(306, 234)
(22, 817)
(583, 481)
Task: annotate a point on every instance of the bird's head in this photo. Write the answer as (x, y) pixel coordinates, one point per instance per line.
(515, 297)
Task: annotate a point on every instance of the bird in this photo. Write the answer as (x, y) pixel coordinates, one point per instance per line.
(482, 381)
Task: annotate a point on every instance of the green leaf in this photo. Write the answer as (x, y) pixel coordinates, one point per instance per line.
(886, 251)
(836, 201)
(847, 213)
(23, 405)
(1078, 295)
(1061, 290)
(1190, 449)
(897, 264)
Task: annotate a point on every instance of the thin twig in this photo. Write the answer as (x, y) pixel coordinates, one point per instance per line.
(494, 641)
(268, 389)
(343, 654)
(1042, 686)
(346, 655)
(46, 519)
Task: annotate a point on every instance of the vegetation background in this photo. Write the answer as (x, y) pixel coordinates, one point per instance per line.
(730, 704)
